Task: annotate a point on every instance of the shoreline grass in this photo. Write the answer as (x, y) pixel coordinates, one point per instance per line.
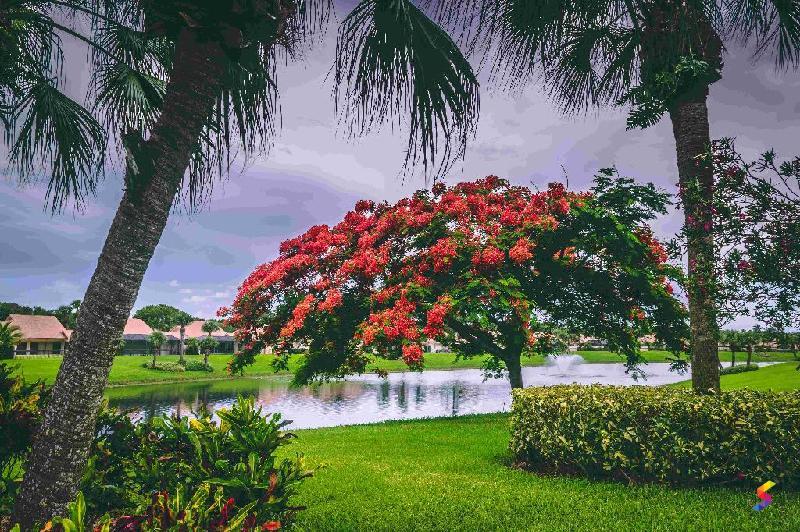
(127, 370)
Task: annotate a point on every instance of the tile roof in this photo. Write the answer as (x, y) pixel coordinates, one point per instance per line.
(195, 330)
(39, 327)
(136, 326)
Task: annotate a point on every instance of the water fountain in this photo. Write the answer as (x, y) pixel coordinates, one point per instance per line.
(563, 364)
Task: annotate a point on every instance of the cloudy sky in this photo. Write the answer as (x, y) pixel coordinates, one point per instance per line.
(314, 175)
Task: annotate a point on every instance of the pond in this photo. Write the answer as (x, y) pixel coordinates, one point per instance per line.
(369, 398)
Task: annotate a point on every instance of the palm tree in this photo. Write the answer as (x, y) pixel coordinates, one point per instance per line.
(196, 79)
(9, 338)
(660, 56)
(183, 319)
(209, 343)
(156, 340)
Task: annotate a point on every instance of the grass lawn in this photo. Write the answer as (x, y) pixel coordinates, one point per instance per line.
(129, 370)
(780, 377)
(453, 474)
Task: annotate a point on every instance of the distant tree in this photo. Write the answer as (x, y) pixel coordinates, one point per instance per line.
(733, 340)
(209, 343)
(789, 340)
(192, 346)
(483, 266)
(156, 340)
(163, 317)
(9, 338)
(183, 319)
(68, 314)
(118, 347)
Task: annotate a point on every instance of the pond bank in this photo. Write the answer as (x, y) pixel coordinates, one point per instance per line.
(128, 370)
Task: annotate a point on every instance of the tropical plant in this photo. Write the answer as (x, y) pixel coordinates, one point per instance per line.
(169, 461)
(208, 345)
(156, 340)
(484, 267)
(20, 413)
(10, 337)
(197, 80)
(192, 346)
(659, 57)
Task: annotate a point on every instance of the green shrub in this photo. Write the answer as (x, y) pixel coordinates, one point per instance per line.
(197, 365)
(228, 467)
(21, 407)
(173, 367)
(731, 370)
(658, 434)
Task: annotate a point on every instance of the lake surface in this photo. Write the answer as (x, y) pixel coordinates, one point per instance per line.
(369, 398)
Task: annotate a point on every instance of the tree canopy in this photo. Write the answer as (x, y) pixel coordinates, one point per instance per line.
(483, 266)
(163, 317)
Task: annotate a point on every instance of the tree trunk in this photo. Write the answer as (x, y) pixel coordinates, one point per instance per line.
(692, 139)
(181, 348)
(61, 448)
(733, 358)
(514, 370)
(749, 354)
(205, 358)
(154, 359)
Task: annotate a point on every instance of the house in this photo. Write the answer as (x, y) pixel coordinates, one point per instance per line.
(41, 335)
(137, 338)
(226, 343)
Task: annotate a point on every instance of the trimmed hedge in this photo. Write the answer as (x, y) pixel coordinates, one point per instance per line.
(743, 368)
(669, 435)
(173, 367)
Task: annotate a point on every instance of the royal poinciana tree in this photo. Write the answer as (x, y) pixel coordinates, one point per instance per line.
(483, 266)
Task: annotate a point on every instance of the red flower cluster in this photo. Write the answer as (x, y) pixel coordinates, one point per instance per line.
(436, 316)
(443, 253)
(298, 316)
(490, 257)
(412, 355)
(521, 251)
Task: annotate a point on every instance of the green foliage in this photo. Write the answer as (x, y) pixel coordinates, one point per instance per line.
(731, 370)
(192, 346)
(173, 367)
(9, 338)
(168, 462)
(163, 317)
(196, 365)
(659, 434)
(652, 100)
(20, 413)
(66, 314)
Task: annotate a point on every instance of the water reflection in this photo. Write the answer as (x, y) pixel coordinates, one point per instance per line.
(368, 398)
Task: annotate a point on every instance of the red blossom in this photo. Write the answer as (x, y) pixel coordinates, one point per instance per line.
(489, 256)
(521, 251)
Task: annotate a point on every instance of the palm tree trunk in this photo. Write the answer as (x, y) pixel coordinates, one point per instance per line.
(749, 354)
(61, 448)
(692, 139)
(153, 365)
(181, 347)
(733, 358)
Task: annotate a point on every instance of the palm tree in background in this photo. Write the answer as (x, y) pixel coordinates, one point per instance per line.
(183, 319)
(209, 343)
(156, 340)
(10, 336)
(181, 85)
(659, 56)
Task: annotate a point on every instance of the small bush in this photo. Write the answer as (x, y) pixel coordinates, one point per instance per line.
(194, 474)
(173, 367)
(21, 407)
(658, 434)
(732, 370)
(196, 365)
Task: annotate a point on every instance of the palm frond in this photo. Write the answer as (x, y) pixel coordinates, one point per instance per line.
(392, 61)
(55, 132)
(774, 26)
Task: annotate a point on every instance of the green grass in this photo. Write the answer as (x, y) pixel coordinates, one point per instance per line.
(129, 370)
(780, 377)
(454, 474)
